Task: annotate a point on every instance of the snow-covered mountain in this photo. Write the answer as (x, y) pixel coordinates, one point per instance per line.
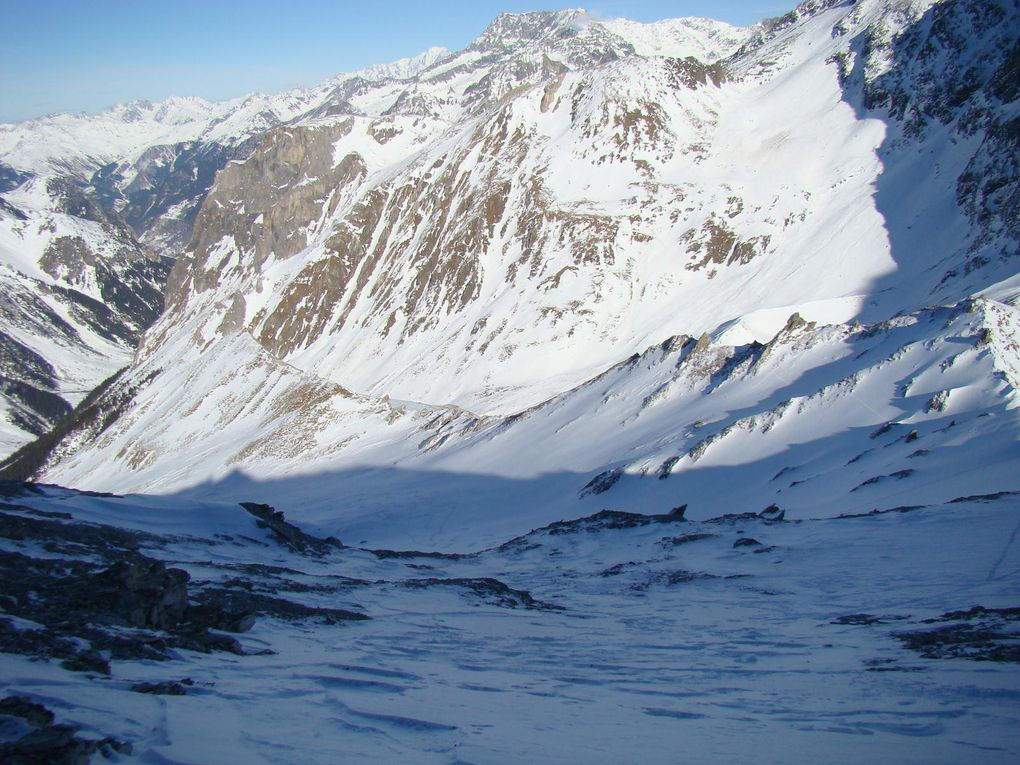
(434, 274)
(93, 211)
(563, 252)
(76, 290)
(621, 393)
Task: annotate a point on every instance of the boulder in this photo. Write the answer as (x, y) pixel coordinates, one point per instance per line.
(143, 592)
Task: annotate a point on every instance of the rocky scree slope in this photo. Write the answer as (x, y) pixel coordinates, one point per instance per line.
(416, 276)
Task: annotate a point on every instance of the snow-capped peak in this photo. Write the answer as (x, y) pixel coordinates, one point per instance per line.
(510, 31)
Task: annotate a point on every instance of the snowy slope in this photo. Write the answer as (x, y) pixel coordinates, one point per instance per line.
(76, 291)
(707, 40)
(822, 420)
(127, 185)
(889, 638)
(586, 218)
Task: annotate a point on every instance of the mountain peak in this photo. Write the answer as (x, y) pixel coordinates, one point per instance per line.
(512, 30)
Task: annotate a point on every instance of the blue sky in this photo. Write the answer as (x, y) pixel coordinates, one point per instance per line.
(86, 55)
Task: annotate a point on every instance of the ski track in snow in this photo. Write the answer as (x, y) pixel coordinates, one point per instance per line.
(994, 572)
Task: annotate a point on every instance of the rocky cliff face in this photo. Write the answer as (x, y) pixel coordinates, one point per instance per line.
(418, 272)
(951, 74)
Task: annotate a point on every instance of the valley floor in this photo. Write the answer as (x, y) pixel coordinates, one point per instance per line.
(888, 637)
